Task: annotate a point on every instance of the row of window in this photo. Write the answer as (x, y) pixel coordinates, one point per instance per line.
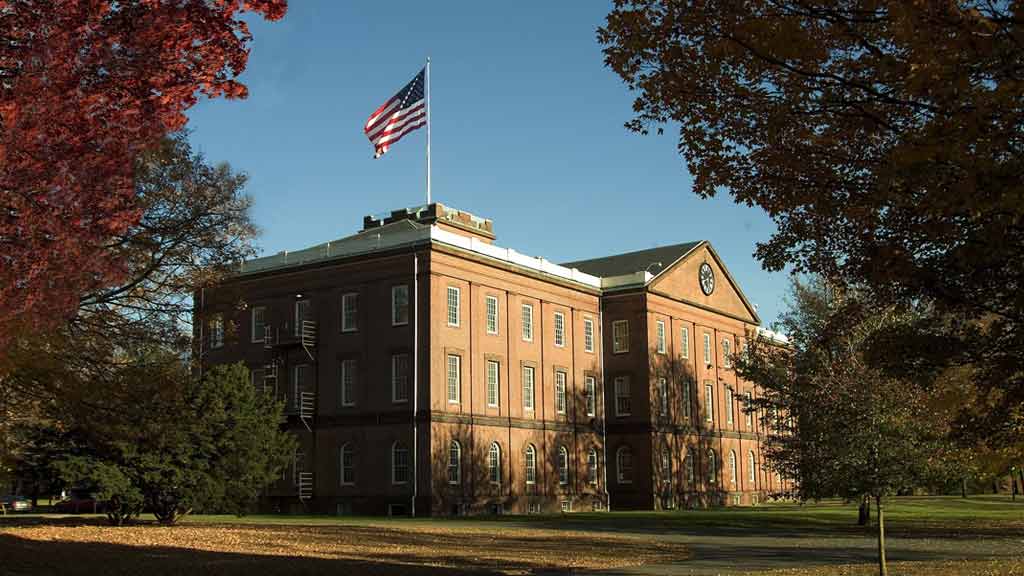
(624, 466)
(620, 342)
(624, 400)
(400, 471)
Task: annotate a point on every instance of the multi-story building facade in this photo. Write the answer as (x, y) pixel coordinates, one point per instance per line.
(425, 370)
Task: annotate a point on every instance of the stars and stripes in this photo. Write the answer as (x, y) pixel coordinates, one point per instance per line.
(401, 114)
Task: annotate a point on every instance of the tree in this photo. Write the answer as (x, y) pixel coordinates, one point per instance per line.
(174, 444)
(85, 88)
(837, 424)
(882, 138)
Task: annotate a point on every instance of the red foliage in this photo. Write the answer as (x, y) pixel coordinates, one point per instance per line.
(85, 86)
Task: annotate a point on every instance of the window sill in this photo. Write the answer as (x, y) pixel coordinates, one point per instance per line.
(395, 324)
(349, 331)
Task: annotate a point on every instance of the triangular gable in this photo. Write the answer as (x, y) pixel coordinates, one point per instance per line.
(680, 281)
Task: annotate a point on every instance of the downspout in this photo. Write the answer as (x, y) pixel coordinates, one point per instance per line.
(415, 376)
(604, 405)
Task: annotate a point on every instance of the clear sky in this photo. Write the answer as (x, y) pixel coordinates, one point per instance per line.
(526, 129)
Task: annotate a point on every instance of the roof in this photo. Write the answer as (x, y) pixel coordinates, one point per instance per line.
(631, 262)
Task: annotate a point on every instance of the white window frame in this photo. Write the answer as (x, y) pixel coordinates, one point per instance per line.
(712, 466)
(590, 393)
(493, 383)
(662, 387)
(261, 334)
(620, 346)
(666, 465)
(559, 329)
(733, 468)
(563, 466)
(623, 392)
(707, 349)
(684, 342)
(593, 467)
(561, 383)
(690, 468)
(527, 322)
(395, 310)
(530, 464)
(297, 386)
(687, 399)
(620, 477)
(588, 335)
(709, 401)
(751, 469)
(453, 378)
(346, 299)
(455, 448)
(659, 336)
(728, 405)
(494, 463)
(341, 464)
(348, 370)
(749, 410)
(395, 447)
(454, 306)
(491, 309)
(529, 396)
(396, 376)
(300, 316)
(726, 352)
(217, 331)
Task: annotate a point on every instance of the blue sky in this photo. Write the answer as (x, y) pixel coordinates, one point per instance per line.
(526, 129)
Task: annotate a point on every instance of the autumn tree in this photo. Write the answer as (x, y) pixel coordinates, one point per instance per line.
(883, 139)
(85, 88)
(836, 423)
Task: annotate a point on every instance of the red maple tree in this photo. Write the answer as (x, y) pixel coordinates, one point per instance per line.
(85, 86)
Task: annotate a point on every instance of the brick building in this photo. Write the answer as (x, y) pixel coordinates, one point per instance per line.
(424, 369)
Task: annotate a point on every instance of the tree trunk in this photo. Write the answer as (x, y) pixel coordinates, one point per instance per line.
(883, 569)
(864, 511)
(1020, 472)
(963, 487)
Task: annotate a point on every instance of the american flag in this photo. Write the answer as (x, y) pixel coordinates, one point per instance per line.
(401, 114)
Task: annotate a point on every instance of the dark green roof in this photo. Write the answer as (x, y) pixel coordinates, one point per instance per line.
(631, 262)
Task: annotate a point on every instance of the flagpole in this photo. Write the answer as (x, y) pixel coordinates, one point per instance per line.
(428, 129)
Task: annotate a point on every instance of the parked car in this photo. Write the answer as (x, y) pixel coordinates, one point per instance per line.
(13, 503)
(79, 502)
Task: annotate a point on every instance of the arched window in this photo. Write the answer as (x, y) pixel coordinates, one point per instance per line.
(454, 463)
(691, 478)
(732, 467)
(666, 465)
(624, 465)
(399, 463)
(531, 464)
(348, 464)
(494, 463)
(712, 467)
(751, 470)
(592, 466)
(563, 465)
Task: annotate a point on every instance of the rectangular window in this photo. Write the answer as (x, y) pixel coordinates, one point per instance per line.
(217, 331)
(400, 378)
(348, 381)
(400, 305)
(620, 336)
(559, 329)
(707, 349)
(454, 378)
(399, 465)
(300, 384)
(492, 314)
(590, 391)
(588, 335)
(662, 397)
(301, 315)
(660, 336)
(726, 353)
(454, 298)
(687, 399)
(709, 402)
(728, 405)
(623, 399)
(259, 323)
(350, 312)
(749, 409)
(684, 342)
(560, 392)
(257, 379)
(493, 395)
(528, 322)
(528, 385)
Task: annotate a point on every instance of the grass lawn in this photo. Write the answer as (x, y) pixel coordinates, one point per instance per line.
(44, 544)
